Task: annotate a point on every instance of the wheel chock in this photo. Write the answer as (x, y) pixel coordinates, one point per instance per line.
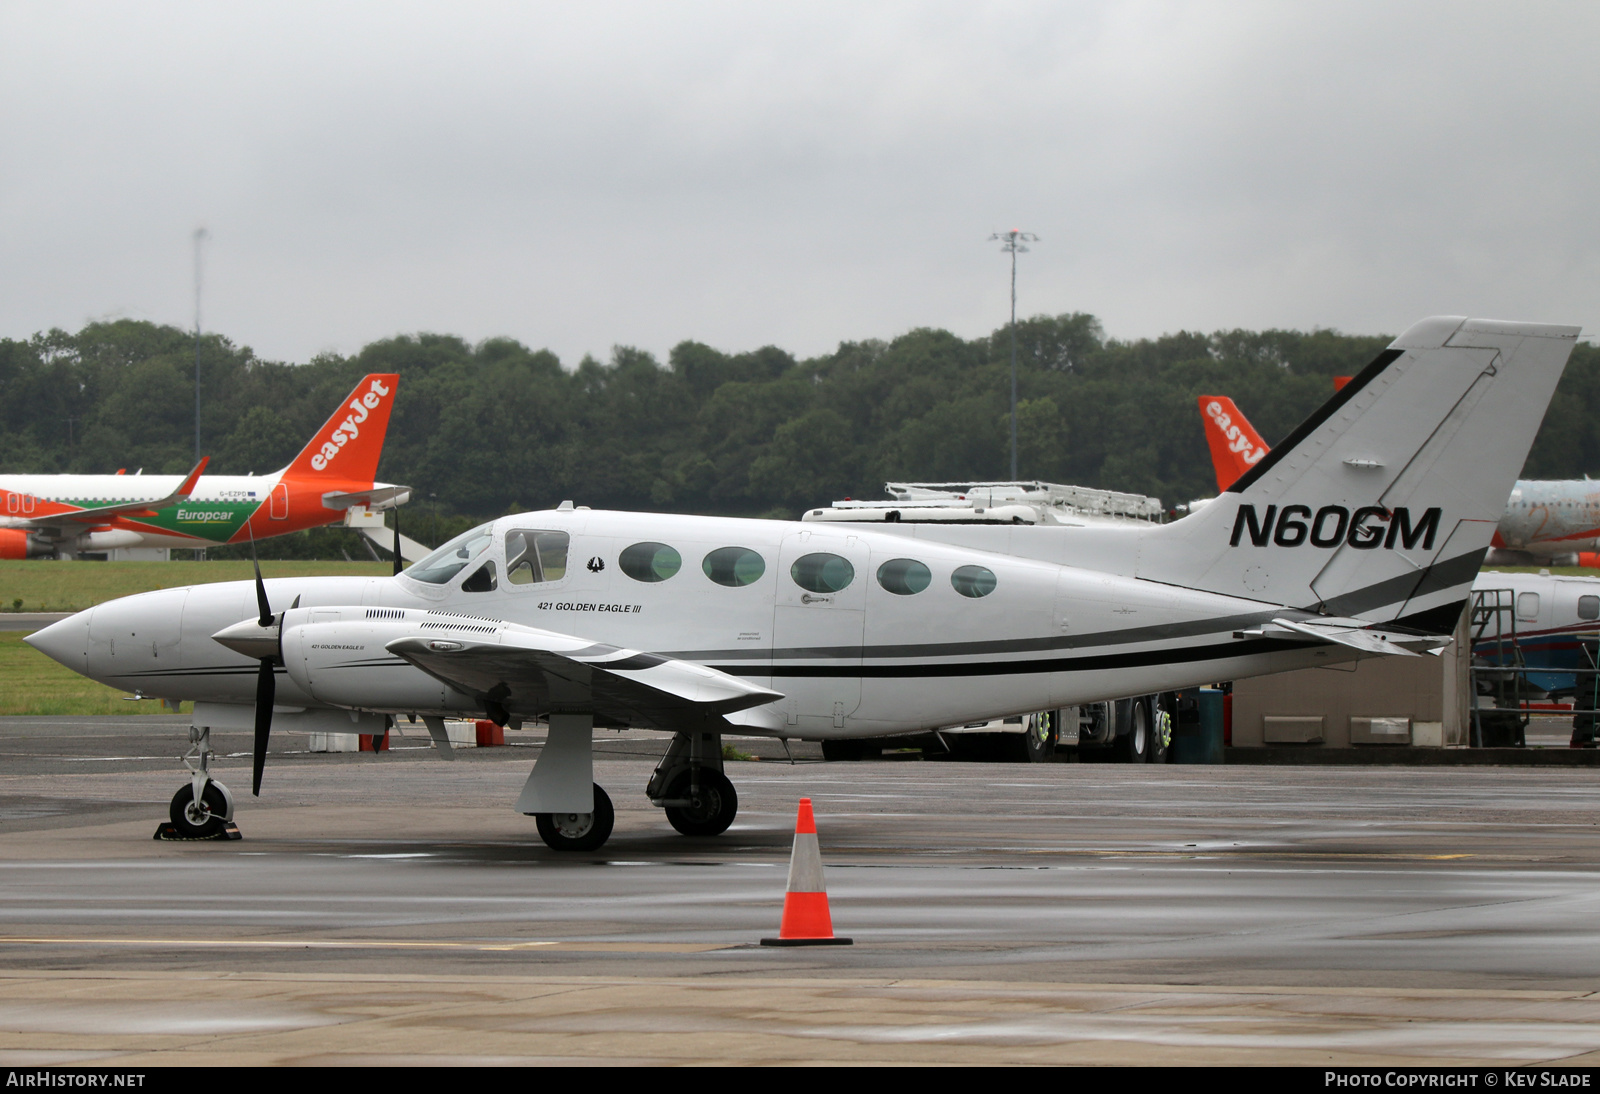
(167, 831)
(806, 920)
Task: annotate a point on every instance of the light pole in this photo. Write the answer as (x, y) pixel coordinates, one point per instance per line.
(200, 235)
(1013, 243)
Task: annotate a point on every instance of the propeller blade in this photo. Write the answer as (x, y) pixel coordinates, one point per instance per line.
(261, 586)
(266, 686)
(399, 563)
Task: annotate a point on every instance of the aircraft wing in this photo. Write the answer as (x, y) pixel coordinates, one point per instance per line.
(530, 672)
(1354, 633)
(101, 514)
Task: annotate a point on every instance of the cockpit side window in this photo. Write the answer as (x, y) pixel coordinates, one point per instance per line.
(534, 556)
(452, 558)
(481, 582)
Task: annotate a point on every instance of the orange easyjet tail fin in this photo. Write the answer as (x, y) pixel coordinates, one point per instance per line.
(1235, 446)
(349, 443)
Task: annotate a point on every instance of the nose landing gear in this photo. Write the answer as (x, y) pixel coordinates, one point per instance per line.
(204, 808)
(202, 819)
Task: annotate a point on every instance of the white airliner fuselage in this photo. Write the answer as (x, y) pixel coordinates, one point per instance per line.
(1550, 520)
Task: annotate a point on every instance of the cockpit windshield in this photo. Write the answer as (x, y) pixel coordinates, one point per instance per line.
(453, 557)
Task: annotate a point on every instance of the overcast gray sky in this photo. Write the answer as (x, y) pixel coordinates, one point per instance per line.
(576, 176)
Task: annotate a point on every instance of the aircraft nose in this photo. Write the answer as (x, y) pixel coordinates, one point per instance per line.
(65, 640)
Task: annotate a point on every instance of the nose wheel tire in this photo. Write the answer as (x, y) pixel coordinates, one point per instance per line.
(578, 831)
(202, 820)
(711, 810)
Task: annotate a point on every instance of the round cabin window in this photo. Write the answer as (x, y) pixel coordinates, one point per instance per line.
(822, 573)
(973, 581)
(904, 576)
(734, 566)
(650, 561)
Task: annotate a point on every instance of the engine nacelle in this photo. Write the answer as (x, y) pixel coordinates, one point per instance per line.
(16, 543)
(337, 656)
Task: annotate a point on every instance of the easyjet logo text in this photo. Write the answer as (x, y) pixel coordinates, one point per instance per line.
(1368, 528)
(349, 429)
(1237, 441)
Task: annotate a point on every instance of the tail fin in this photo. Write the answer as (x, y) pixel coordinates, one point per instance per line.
(349, 443)
(1235, 445)
(1380, 505)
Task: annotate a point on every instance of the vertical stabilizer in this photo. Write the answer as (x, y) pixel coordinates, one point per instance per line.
(1381, 505)
(1235, 445)
(348, 445)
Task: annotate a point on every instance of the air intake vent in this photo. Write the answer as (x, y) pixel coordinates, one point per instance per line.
(466, 618)
(459, 627)
(386, 613)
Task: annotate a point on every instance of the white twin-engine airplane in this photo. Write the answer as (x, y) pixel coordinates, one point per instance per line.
(1358, 536)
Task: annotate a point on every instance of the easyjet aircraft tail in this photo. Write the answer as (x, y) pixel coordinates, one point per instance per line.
(1235, 445)
(348, 445)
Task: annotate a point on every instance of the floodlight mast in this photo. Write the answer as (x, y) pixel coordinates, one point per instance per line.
(200, 235)
(1014, 243)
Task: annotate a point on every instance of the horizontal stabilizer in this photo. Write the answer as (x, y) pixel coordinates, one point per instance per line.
(379, 497)
(1349, 632)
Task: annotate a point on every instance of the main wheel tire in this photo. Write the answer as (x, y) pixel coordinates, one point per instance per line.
(713, 808)
(1133, 747)
(199, 821)
(578, 831)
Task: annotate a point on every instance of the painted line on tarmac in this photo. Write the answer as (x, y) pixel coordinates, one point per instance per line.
(376, 944)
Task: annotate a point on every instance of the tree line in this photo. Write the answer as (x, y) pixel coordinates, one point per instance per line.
(481, 430)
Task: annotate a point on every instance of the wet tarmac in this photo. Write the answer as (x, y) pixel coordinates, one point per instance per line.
(392, 908)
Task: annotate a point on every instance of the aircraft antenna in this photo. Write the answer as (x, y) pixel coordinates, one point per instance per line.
(1014, 243)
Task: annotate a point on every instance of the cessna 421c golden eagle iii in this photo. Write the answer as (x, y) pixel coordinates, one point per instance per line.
(1358, 536)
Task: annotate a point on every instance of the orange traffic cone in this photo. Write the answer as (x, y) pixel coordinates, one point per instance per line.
(806, 921)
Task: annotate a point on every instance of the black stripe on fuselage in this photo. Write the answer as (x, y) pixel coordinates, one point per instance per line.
(1448, 574)
(1092, 663)
(1318, 416)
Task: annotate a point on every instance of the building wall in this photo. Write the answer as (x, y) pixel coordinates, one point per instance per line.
(1423, 689)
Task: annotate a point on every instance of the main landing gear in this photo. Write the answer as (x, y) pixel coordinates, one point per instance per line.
(204, 808)
(690, 785)
(578, 831)
(575, 814)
